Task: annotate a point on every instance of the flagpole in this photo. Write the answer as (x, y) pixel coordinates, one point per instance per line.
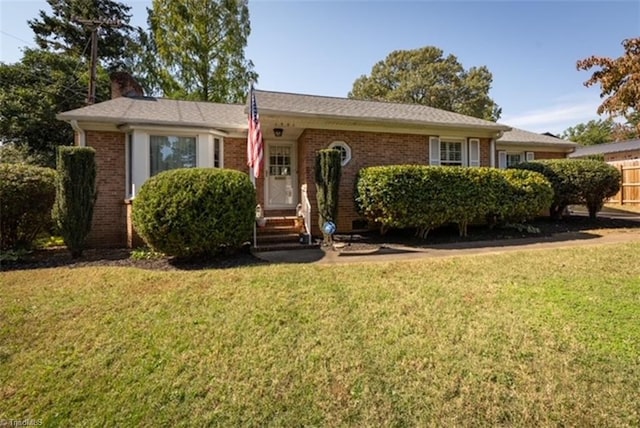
(255, 148)
(255, 232)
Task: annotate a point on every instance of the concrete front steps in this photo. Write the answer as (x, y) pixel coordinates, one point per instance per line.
(281, 232)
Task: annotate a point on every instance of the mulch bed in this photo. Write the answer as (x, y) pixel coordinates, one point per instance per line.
(371, 240)
(60, 257)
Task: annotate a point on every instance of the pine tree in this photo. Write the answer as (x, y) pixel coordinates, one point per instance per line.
(199, 49)
(60, 33)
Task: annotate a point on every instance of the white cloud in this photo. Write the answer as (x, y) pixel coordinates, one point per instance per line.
(563, 112)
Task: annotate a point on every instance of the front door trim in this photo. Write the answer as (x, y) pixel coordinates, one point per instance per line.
(280, 186)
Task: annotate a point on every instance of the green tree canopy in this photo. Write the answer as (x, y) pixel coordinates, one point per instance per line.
(58, 32)
(588, 134)
(34, 90)
(619, 81)
(600, 131)
(425, 76)
(197, 49)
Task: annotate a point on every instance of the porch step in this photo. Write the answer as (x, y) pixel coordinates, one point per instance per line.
(278, 237)
(279, 230)
(270, 229)
(280, 220)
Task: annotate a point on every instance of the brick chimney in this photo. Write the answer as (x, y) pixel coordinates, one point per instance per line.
(124, 85)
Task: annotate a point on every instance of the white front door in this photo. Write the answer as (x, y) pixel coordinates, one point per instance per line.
(281, 177)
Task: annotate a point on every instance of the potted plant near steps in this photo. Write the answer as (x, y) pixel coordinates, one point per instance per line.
(298, 222)
(261, 220)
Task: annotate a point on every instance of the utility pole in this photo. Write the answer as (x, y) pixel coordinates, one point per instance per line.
(94, 24)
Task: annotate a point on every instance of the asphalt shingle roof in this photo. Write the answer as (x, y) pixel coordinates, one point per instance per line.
(161, 111)
(600, 149)
(520, 136)
(270, 102)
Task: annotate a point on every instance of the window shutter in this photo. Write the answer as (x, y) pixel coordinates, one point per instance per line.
(502, 159)
(529, 156)
(474, 152)
(434, 150)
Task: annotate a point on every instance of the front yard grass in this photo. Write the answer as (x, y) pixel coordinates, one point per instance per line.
(532, 338)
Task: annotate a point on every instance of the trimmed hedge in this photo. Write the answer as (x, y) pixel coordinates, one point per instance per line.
(427, 197)
(192, 212)
(577, 181)
(327, 177)
(27, 194)
(76, 195)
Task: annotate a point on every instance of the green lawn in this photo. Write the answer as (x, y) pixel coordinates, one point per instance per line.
(535, 338)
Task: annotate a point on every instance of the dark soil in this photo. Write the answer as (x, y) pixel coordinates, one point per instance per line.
(449, 234)
(60, 257)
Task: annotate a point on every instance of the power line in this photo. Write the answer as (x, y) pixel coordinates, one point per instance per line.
(93, 25)
(49, 81)
(15, 37)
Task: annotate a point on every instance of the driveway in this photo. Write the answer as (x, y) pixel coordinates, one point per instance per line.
(607, 212)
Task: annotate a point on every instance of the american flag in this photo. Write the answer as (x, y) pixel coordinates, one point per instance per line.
(255, 145)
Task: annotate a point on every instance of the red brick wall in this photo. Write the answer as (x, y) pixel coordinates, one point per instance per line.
(485, 152)
(235, 154)
(549, 155)
(109, 228)
(235, 157)
(631, 154)
(367, 149)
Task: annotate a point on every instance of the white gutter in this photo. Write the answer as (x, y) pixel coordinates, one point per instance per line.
(81, 135)
(492, 157)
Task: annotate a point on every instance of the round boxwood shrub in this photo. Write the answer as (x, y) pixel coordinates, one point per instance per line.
(194, 212)
(27, 193)
(577, 181)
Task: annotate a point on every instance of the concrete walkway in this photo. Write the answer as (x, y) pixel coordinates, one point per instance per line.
(400, 253)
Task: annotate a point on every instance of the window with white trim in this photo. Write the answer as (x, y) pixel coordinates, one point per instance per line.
(345, 151)
(217, 153)
(514, 158)
(171, 152)
(450, 153)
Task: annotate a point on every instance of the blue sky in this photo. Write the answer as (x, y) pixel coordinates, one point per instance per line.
(321, 47)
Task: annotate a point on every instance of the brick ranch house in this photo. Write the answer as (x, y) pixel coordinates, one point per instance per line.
(136, 137)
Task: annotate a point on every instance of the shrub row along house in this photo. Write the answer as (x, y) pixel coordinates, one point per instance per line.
(136, 137)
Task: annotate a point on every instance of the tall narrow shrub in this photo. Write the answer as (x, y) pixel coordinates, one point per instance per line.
(75, 195)
(328, 171)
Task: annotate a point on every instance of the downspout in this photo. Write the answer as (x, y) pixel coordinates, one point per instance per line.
(492, 158)
(81, 136)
